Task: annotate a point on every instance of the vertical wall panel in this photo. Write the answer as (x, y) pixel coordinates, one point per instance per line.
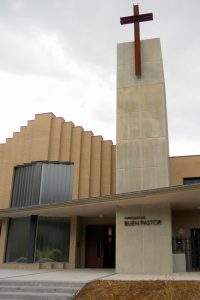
(113, 172)
(55, 138)
(95, 172)
(6, 174)
(65, 143)
(2, 146)
(18, 146)
(26, 144)
(1, 152)
(41, 137)
(84, 182)
(29, 135)
(75, 158)
(106, 167)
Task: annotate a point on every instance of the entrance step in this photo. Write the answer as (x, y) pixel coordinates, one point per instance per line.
(35, 290)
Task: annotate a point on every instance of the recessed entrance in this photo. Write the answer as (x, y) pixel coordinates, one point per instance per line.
(100, 246)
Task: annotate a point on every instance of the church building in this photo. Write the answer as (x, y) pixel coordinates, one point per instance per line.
(70, 199)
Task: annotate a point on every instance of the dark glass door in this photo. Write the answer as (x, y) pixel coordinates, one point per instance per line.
(100, 246)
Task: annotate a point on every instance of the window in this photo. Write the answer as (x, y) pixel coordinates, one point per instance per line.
(18, 239)
(52, 239)
(191, 180)
(36, 239)
(41, 182)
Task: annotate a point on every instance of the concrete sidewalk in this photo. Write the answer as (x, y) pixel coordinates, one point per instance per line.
(77, 275)
(140, 277)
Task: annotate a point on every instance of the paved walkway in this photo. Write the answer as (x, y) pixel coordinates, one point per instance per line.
(85, 275)
(78, 275)
(175, 276)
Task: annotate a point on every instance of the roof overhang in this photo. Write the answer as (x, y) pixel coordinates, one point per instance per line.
(179, 197)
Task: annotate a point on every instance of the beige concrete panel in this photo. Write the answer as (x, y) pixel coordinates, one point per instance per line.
(129, 126)
(162, 174)
(149, 249)
(150, 51)
(152, 98)
(183, 167)
(65, 144)
(129, 154)
(40, 137)
(129, 180)
(113, 175)
(152, 74)
(84, 183)
(154, 152)
(153, 125)
(143, 108)
(129, 245)
(55, 139)
(75, 157)
(3, 240)
(106, 164)
(95, 173)
(129, 99)
(158, 241)
(154, 176)
(149, 175)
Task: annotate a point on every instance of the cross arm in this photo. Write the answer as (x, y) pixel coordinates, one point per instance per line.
(139, 18)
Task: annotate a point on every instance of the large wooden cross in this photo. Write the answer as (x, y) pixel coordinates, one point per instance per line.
(136, 19)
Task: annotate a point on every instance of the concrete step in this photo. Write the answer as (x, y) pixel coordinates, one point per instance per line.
(4, 282)
(36, 296)
(38, 289)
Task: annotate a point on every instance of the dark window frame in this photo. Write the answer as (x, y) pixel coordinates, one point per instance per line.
(191, 180)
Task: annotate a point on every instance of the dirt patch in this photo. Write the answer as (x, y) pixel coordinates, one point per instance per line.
(140, 290)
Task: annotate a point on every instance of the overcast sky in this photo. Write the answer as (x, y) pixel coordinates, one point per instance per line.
(60, 56)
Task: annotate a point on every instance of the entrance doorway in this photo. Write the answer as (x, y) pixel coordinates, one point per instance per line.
(100, 246)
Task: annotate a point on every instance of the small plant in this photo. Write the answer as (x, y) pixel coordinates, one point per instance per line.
(49, 255)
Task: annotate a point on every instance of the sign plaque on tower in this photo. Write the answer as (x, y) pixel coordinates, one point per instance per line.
(136, 19)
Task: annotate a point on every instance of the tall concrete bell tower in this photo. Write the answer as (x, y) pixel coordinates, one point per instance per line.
(142, 135)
